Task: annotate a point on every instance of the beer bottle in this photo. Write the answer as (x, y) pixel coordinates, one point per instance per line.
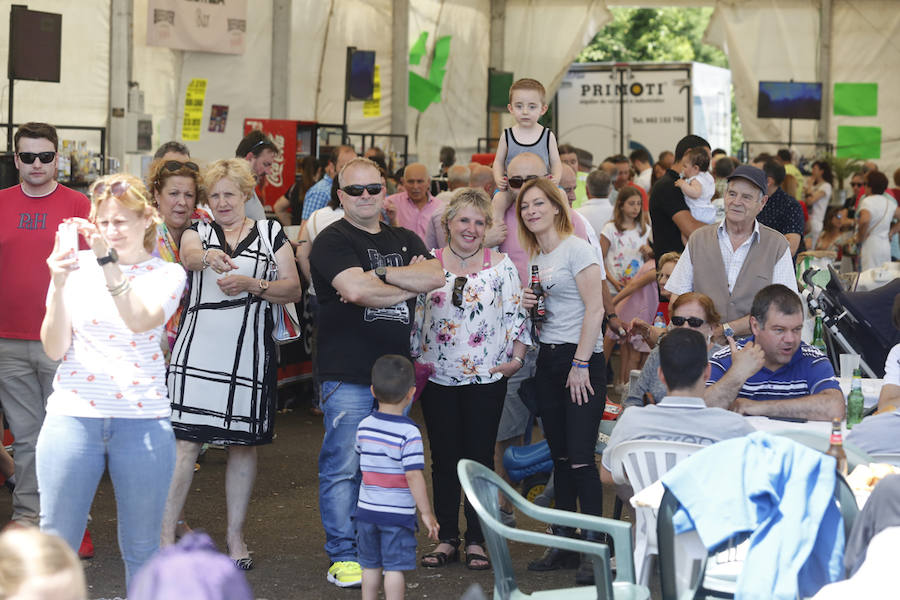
(855, 400)
(818, 336)
(836, 449)
(539, 310)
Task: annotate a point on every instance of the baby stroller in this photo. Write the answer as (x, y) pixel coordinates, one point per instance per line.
(856, 322)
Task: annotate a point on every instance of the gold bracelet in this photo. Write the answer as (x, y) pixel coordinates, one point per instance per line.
(120, 289)
(115, 288)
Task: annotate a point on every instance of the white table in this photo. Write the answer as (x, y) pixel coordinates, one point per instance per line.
(871, 389)
(814, 434)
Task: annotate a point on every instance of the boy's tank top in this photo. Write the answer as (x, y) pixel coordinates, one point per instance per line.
(541, 147)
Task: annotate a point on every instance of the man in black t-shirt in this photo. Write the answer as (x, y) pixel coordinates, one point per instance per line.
(670, 216)
(367, 276)
(781, 212)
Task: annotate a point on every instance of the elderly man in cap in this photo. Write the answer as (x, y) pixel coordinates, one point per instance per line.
(732, 260)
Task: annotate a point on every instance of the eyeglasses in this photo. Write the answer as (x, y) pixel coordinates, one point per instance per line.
(517, 181)
(28, 157)
(857, 184)
(357, 190)
(692, 321)
(116, 189)
(457, 297)
(176, 165)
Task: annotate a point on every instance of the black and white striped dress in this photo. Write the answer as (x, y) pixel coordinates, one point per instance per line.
(222, 375)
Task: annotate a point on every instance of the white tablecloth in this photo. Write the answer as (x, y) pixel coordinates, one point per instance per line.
(871, 389)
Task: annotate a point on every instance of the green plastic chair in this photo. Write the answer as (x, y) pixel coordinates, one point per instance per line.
(683, 558)
(481, 486)
(891, 459)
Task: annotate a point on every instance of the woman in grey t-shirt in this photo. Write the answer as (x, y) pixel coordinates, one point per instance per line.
(571, 372)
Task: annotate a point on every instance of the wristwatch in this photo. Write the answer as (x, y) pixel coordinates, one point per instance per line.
(611, 316)
(111, 257)
(727, 330)
(263, 284)
(382, 273)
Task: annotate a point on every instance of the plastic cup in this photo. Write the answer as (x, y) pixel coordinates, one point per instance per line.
(849, 363)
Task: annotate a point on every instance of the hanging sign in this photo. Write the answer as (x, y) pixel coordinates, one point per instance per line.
(199, 25)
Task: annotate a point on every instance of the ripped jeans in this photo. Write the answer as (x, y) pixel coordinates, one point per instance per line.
(344, 406)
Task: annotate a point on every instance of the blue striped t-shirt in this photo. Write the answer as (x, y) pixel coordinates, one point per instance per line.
(388, 446)
(808, 372)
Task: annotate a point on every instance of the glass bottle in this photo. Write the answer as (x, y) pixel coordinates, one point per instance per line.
(539, 310)
(836, 449)
(819, 336)
(855, 400)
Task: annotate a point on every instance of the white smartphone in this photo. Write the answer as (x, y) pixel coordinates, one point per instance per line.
(68, 238)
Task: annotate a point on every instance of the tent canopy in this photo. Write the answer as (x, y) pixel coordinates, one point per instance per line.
(764, 40)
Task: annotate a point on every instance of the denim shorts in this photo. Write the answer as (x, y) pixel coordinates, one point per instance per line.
(388, 547)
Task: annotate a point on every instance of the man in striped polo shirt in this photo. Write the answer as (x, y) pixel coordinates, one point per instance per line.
(773, 373)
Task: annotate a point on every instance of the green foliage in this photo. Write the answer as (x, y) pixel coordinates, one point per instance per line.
(660, 35)
(654, 34)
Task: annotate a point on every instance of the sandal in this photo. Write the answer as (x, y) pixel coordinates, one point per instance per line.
(436, 559)
(472, 557)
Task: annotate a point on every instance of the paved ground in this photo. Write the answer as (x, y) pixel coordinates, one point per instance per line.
(284, 531)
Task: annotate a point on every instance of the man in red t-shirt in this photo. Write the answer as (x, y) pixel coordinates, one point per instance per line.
(29, 216)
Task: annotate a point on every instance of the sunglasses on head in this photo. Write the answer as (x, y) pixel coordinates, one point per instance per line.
(176, 165)
(517, 181)
(28, 157)
(357, 190)
(116, 189)
(692, 321)
(457, 296)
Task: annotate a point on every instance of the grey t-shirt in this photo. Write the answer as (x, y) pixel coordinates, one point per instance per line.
(254, 208)
(676, 419)
(878, 434)
(565, 308)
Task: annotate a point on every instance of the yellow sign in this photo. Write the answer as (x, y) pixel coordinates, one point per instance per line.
(193, 110)
(372, 108)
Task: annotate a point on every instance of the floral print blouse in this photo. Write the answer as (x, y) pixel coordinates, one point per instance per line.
(461, 344)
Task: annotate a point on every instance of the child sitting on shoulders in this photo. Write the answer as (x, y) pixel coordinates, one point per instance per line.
(698, 185)
(526, 104)
(392, 461)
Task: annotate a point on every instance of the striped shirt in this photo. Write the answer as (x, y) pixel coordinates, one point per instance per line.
(108, 370)
(388, 446)
(808, 372)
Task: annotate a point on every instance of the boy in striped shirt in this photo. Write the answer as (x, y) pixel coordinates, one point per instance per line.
(391, 460)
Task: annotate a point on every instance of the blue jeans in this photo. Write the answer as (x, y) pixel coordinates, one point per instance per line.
(73, 453)
(344, 405)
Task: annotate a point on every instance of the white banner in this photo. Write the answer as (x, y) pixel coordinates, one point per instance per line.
(200, 25)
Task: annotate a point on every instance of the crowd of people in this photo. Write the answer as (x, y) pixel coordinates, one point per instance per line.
(150, 335)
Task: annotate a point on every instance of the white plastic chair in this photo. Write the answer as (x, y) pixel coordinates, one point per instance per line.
(640, 463)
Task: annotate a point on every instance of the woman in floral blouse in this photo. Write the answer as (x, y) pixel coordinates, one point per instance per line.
(472, 335)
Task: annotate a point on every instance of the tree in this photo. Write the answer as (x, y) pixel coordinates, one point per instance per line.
(658, 35)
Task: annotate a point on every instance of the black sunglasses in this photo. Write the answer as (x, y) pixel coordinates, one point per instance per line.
(457, 297)
(357, 190)
(176, 165)
(517, 181)
(692, 321)
(28, 157)
(857, 184)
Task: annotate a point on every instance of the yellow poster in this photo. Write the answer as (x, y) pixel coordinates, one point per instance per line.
(372, 108)
(193, 110)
